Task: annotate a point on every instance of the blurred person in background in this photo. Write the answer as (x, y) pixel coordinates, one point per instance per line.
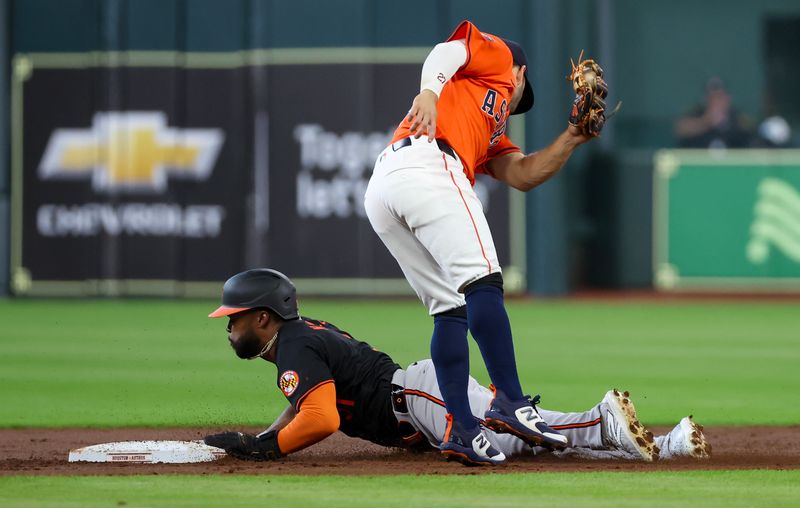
(715, 123)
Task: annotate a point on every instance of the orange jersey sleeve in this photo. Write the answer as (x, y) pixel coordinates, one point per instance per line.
(473, 107)
(503, 146)
(316, 419)
(487, 55)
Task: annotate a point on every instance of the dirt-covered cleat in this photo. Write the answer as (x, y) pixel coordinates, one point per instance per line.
(470, 447)
(520, 418)
(685, 440)
(622, 430)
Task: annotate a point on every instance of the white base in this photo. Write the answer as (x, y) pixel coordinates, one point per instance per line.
(147, 452)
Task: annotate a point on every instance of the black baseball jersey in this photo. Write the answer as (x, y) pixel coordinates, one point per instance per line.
(312, 353)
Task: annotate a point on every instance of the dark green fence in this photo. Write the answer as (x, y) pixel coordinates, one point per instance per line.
(582, 229)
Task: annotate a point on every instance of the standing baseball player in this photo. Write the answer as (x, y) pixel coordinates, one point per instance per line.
(335, 382)
(421, 203)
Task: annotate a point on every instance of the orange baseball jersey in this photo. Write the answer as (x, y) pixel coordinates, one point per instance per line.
(473, 106)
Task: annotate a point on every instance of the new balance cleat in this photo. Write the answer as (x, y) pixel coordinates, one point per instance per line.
(471, 448)
(520, 418)
(622, 430)
(685, 440)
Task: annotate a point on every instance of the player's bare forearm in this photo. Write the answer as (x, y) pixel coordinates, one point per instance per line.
(283, 420)
(525, 172)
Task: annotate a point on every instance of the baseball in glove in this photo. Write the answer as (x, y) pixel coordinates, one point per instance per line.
(589, 107)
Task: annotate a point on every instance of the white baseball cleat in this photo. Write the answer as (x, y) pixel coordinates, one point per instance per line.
(622, 430)
(685, 440)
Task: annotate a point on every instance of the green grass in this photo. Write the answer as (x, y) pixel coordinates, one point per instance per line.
(159, 362)
(725, 489)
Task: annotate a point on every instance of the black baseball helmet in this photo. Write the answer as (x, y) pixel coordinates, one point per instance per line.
(260, 287)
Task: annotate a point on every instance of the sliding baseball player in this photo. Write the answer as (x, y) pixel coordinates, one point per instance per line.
(334, 382)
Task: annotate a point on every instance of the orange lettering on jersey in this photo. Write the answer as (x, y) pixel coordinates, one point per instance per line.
(315, 326)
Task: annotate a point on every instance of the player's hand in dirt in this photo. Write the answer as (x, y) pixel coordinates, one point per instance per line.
(246, 446)
(422, 115)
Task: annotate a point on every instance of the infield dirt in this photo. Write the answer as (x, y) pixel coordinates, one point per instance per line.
(44, 452)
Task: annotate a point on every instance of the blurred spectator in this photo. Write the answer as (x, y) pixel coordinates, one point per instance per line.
(715, 123)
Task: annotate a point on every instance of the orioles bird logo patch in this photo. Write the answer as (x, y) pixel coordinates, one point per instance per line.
(288, 382)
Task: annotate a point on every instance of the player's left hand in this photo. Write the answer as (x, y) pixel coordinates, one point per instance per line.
(246, 446)
(422, 115)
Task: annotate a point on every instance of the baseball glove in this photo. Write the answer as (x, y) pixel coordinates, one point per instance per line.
(589, 107)
(247, 447)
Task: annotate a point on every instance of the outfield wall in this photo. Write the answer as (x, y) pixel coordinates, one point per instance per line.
(145, 56)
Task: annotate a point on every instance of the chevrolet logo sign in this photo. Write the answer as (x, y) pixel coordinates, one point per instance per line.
(131, 150)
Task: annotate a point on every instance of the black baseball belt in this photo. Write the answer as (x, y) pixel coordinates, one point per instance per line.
(444, 147)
